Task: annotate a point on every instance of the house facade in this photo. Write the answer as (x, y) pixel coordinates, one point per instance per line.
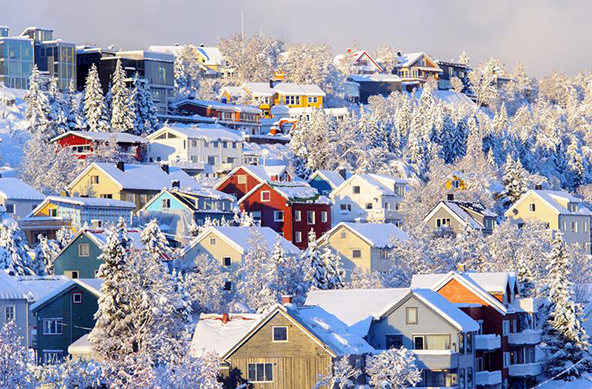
(416, 68)
(452, 217)
(376, 84)
(207, 150)
(362, 62)
(17, 197)
(241, 118)
(289, 208)
(367, 246)
(64, 316)
(558, 210)
(243, 179)
(326, 181)
(506, 339)
(84, 143)
(368, 198)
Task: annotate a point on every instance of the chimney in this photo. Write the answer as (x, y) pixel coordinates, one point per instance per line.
(271, 83)
(286, 299)
(202, 45)
(343, 173)
(399, 54)
(121, 166)
(460, 267)
(349, 50)
(225, 318)
(538, 187)
(176, 184)
(165, 168)
(450, 197)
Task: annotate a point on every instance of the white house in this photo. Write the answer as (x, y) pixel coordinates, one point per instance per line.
(368, 198)
(17, 197)
(209, 151)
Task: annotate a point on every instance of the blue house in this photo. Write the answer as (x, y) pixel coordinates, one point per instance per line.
(325, 181)
(63, 316)
(176, 209)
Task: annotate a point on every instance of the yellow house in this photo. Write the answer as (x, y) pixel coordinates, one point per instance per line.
(134, 183)
(298, 95)
(559, 210)
(455, 181)
(366, 246)
(416, 67)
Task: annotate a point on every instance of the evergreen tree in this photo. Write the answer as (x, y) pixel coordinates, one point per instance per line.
(205, 284)
(95, 118)
(311, 257)
(565, 337)
(334, 270)
(45, 254)
(14, 359)
(122, 116)
(56, 115)
(145, 121)
(285, 275)
(361, 279)
(514, 181)
(37, 105)
(14, 251)
(154, 241)
(70, 109)
(392, 369)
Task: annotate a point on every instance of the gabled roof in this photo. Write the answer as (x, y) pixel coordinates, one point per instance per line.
(92, 285)
(189, 198)
(381, 182)
(217, 105)
(211, 334)
(212, 55)
(288, 88)
(298, 192)
(141, 177)
(89, 202)
(259, 89)
(120, 137)
(409, 59)
(377, 235)
(208, 133)
(436, 281)
(10, 288)
(447, 310)
(15, 189)
(239, 237)
(36, 287)
(260, 173)
(333, 178)
(552, 198)
(357, 55)
(455, 208)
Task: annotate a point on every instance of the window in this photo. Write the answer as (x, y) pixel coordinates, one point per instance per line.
(265, 196)
(53, 212)
(84, 250)
(505, 327)
(532, 207)
(443, 222)
(77, 298)
(94, 180)
(514, 326)
(310, 217)
(469, 377)
(418, 343)
(356, 189)
(280, 334)
(242, 179)
(394, 341)
(71, 273)
(212, 241)
(228, 286)
(461, 343)
(574, 226)
(227, 261)
(411, 315)
(469, 343)
(9, 313)
(166, 203)
(585, 226)
(52, 326)
(50, 357)
(455, 184)
(297, 216)
(400, 190)
(564, 226)
(211, 160)
(9, 208)
(461, 379)
(368, 205)
(357, 253)
(479, 363)
(480, 322)
(345, 207)
(278, 216)
(343, 235)
(324, 217)
(506, 359)
(431, 342)
(260, 372)
(298, 237)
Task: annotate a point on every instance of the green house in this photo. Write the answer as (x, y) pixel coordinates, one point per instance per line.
(63, 316)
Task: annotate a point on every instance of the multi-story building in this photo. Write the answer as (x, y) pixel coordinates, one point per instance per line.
(506, 339)
(4, 31)
(86, 56)
(453, 69)
(244, 178)
(415, 68)
(17, 197)
(209, 150)
(16, 61)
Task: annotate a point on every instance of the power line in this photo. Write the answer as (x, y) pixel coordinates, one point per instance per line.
(560, 373)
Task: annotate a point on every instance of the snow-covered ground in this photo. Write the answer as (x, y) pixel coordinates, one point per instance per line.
(583, 383)
(12, 127)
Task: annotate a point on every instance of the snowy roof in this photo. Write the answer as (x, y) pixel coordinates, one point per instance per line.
(84, 202)
(406, 60)
(212, 334)
(15, 189)
(142, 177)
(259, 89)
(80, 346)
(212, 55)
(166, 49)
(36, 287)
(333, 178)
(493, 282)
(10, 288)
(554, 198)
(381, 182)
(120, 137)
(233, 91)
(239, 238)
(298, 192)
(217, 105)
(357, 307)
(288, 88)
(206, 133)
(446, 309)
(260, 173)
(374, 78)
(92, 285)
(377, 235)
(458, 210)
(99, 237)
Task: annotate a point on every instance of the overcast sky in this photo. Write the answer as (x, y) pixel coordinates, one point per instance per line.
(543, 34)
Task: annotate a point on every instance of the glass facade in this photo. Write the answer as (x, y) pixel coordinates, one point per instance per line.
(59, 59)
(16, 62)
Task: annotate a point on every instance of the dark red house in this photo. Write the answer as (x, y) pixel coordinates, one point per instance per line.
(505, 344)
(244, 178)
(290, 208)
(84, 143)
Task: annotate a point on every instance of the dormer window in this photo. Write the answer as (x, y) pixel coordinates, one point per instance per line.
(572, 207)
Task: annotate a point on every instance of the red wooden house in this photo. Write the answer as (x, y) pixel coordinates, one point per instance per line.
(289, 208)
(244, 178)
(505, 344)
(84, 143)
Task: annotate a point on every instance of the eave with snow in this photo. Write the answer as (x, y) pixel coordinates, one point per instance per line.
(84, 143)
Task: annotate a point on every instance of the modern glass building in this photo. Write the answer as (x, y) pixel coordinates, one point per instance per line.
(16, 61)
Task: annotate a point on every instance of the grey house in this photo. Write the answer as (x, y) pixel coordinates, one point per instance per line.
(440, 335)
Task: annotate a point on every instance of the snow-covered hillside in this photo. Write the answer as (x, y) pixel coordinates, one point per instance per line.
(12, 127)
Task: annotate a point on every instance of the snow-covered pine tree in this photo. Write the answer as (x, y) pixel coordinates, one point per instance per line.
(514, 181)
(392, 369)
(311, 258)
(154, 241)
(45, 254)
(205, 284)
(342, 376)
(37, 105)
(95, 112)
(122, 114)
(14, 359)
(334, 267)
(361, 279)
(70, 108)
(56, 115)
(567, 343)
(145, 120)
(188, 72)
(14, 251)
(286, 275)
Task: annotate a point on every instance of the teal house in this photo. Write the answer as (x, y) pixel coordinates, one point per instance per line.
(80, 258)
(325, 181)
(176, 210)
(63, 316)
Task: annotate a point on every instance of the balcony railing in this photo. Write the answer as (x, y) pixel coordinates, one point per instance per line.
(525, 337)
(488, 342)
(436, 359)
(526, 369)
(483, 378)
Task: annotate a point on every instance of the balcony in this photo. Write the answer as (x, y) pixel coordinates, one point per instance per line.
(488, 342)
(436, 359)
(526, 337)
(526, 369)
(484, 378)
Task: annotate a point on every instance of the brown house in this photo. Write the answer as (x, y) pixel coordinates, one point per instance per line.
(286, 348)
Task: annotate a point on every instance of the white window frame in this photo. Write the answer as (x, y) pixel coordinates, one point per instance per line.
(532, 207)
(57, 356)
(6, 314)
(58, 326)
(76, 301)
(297, 216)
(506, 359)
(505, 327)
(309, 220)
(273, 334)
(298, 237)
(84, 253)
(268, 194)
(213, 241)
(224, 261)
(354, 251)
(324, 217)
(259, 363)
(409, 322)
(278, 216)
(242, 179)
(442, 222)
(343, 235)
(574, 226)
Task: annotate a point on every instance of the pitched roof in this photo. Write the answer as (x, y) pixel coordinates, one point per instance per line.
(333, 178)
(92, 285)
(288, 88)
(120, 137)
(10, 288)
(217, 105)
(239, 238)
(377, 235)
(15, 189)
(259, 88)
(36, 287)
(298, 192)
(99, 237)
(408, 59)
(211, 334)
(213, 55)
(208, 133)
(446, 309)
(84, 202)
(142, 177)
(381, 182)
(458, 210)
(552, 198)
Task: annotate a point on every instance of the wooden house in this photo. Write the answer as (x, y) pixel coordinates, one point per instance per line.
(415, 68)
(243, 179)
(85, 143)
(451, 217)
